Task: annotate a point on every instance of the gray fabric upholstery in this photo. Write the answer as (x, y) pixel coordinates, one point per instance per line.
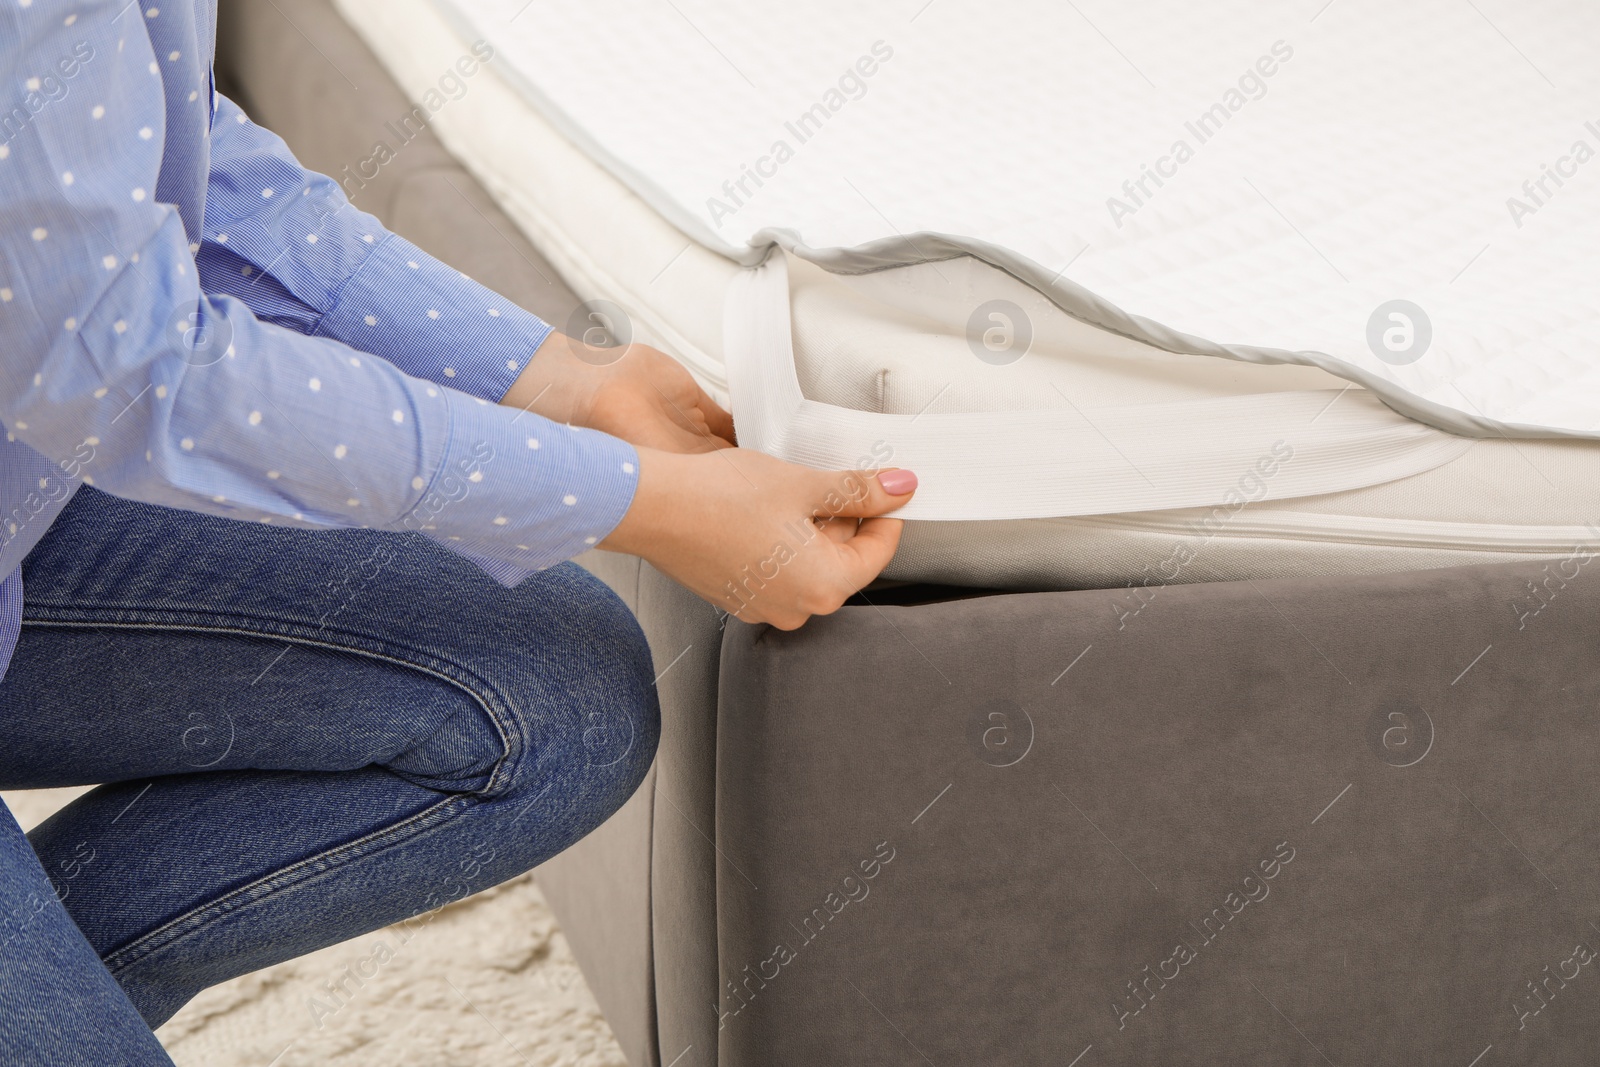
(1226, 725)
(686, 638)
(677, 861)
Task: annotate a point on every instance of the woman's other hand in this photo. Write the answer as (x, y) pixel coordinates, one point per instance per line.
(637, 393)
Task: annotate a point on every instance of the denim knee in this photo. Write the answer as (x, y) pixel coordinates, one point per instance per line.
(587, 715)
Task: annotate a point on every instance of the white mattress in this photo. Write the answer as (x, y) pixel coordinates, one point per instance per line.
(1355, 153)
(894, 343)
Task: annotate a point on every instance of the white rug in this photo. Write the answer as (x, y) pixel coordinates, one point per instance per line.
(489, 981)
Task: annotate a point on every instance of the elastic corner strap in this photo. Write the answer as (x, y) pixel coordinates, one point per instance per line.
(1041, 463)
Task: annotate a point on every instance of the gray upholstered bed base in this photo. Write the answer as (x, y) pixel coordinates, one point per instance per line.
(1307, 821)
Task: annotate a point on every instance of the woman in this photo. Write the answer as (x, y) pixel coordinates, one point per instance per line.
(316, 631)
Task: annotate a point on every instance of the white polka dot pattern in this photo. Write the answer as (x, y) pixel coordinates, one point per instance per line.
(296, 375)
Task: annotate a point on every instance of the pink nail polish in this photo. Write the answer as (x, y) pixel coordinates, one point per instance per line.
(897, 482)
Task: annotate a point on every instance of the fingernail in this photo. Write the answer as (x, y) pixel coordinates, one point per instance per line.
(897, 482)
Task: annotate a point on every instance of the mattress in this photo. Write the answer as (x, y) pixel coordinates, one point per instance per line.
(1161, 461)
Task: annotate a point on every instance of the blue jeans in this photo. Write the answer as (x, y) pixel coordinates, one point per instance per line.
(306, 736)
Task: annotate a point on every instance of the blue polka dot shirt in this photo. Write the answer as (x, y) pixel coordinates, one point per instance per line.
(189, 317)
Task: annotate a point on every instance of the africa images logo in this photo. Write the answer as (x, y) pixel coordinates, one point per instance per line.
(1250, 85)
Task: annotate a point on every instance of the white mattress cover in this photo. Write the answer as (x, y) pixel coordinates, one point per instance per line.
(1500, 499)
(1357, 153)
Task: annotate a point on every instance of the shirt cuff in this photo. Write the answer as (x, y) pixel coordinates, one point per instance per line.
(517, 493)
(433, 322)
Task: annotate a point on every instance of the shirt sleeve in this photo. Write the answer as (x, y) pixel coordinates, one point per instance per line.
(116, 365)
(287, 242)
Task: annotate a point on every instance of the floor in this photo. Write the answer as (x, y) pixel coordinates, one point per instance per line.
(487, 982)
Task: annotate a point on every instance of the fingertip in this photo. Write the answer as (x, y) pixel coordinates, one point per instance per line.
(897, 481)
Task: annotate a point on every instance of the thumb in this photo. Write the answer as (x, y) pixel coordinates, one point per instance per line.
(870, 493)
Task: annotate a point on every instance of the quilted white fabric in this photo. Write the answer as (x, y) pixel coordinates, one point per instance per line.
(1241, 179)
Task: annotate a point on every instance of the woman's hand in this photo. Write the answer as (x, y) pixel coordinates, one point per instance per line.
(638, 393)
(766, 540)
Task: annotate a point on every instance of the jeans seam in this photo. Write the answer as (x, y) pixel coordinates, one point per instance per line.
(513, 752)
(201, 915)
(268, 885)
